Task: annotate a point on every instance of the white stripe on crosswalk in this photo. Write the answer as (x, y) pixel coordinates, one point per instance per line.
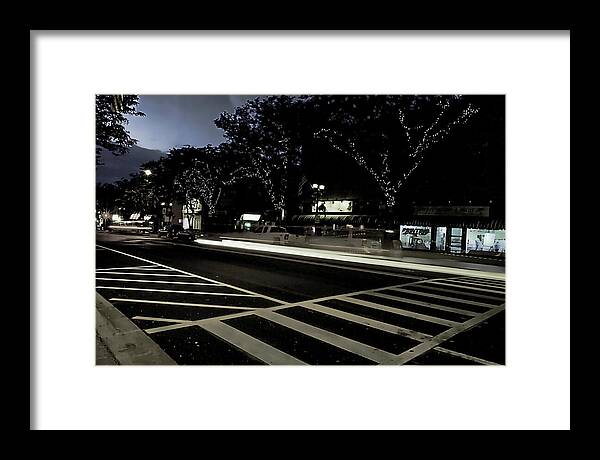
(465, 356)
(400, 311)
(443, 297)
(424, 347)
(143, 274)
(479, 282)
(457, 284)
(250, 345)
(424, 304)
(357, 348)
(183, 304)
(462, 292)
(174, 291)
(149, 269)
(162, 320)
(137, 267)
(373, 323)
(159, 282)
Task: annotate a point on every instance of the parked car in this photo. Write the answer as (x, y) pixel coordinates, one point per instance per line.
(271, 232)
(186, 235)
(170, 231)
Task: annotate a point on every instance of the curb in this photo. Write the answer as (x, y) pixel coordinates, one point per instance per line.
(127, 342)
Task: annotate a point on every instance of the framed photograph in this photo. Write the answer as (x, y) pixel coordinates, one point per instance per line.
(317, 217)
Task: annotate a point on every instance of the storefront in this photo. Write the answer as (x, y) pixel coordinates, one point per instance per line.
(415, 237)
(454, 229)
(485, 240)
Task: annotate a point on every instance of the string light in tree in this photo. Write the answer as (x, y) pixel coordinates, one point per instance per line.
(420, 139)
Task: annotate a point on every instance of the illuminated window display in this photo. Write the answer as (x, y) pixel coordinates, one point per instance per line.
(486, 240)
(334, 206)
(456, 240)
(413, 237)
(440, 239)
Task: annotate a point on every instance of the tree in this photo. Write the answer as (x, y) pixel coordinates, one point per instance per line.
(110, 123)
(389, 136)
(201, 173)
(265, 131)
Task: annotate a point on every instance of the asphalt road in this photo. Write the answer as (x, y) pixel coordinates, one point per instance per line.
(206, 305)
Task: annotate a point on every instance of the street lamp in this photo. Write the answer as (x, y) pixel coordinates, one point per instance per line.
(147, 172)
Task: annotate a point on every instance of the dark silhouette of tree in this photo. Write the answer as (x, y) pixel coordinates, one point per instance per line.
(266, 133)
(389, 136)
(111, 121)
(201, 173)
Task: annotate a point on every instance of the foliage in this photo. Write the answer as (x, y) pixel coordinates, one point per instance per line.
(111, 121)
(389, 136)
(265, 133)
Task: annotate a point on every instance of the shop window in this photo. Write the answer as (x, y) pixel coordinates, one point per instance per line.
(415, 237)
(440, 239)
(456, 240)
(486, 240)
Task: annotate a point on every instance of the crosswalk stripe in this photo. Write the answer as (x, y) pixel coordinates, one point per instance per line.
(465, 356)
(425, 304)
(250, 345)
(443, 297)
(159, 282)
(466, 286)
(400, 311)
(424, 347)
(456, 291)
(174, 291)
(137, 267)
(191, 274)
(360, 349)
(375, 324)
(183, 304)
(478, 282)
(144, 274)
(149, 269)
(162, 320)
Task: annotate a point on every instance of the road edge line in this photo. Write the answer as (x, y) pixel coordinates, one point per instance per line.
(128, 343)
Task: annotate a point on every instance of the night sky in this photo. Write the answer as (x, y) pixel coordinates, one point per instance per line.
(172, 121)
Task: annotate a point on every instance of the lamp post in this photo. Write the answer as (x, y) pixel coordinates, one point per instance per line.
(317, 190)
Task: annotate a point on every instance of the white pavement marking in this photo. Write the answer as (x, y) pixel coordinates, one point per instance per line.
(480, 282)
(146, 269)
(418, 350)
(174, 291)
(159, 282)
(372, 323)
(215, 324)
(250, 345)
(400, 311)
(198, 322)
(273, 308)
(123, 268)
(425, 304)
(144, 274)
(465, 356)
(443, 297)
(457, 284)
(357, 348)
(458, 291)
(162, 320)
(194, 275)
(183, 304)
(360, 259)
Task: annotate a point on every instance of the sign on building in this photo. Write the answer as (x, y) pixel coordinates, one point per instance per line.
(479, 211)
